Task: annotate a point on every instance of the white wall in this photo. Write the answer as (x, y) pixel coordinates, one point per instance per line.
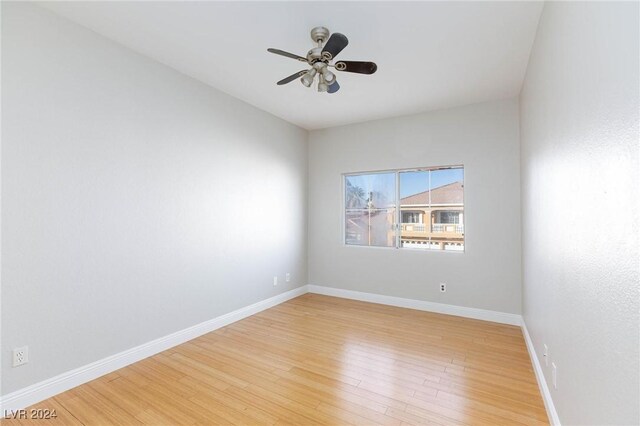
(136, 201)
(484, 138)
(579, 128)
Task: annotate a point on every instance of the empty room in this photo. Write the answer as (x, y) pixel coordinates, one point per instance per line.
(314, 212)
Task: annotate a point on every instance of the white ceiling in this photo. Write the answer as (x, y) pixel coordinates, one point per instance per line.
(430, 55)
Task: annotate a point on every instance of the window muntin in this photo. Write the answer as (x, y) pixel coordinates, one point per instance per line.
(406, 209)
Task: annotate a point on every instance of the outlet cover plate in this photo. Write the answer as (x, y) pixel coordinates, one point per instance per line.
(20, 356)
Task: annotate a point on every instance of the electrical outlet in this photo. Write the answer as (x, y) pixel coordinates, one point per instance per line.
(554, 375)
(443, 287)
(545, 354)
(275, 281)
(287, 277)
(20, 356)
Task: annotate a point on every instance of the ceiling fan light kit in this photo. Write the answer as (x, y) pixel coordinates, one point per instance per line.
(321, 58)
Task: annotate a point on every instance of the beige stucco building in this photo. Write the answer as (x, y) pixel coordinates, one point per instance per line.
(434, 219)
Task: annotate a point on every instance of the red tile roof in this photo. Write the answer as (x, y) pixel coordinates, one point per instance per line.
(451, 193)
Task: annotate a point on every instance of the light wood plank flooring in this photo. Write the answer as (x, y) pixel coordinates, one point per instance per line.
(322, 360)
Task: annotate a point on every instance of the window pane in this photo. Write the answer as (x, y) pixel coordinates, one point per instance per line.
(447, 209)
(431, 203)
(414, 188)
(376, 190)
(446, 186)
(370, 209)
(414, 205)
(371, 227)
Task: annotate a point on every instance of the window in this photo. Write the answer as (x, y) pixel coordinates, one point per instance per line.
(421, 208)
(448, 217)
(411, 217)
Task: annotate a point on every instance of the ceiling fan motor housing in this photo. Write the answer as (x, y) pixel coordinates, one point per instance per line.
(314, 55)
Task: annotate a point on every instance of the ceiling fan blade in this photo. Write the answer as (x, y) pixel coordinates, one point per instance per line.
(287, 54)
(356, 66)
(334, 45)
(291, 78)
(333, 88)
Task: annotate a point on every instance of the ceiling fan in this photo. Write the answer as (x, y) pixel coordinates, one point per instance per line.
(321, 58)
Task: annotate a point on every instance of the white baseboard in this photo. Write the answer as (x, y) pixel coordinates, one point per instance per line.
(40, 391)
(421, 305)
(542, 383)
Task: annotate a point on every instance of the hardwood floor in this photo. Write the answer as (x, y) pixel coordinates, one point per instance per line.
(322, 360)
